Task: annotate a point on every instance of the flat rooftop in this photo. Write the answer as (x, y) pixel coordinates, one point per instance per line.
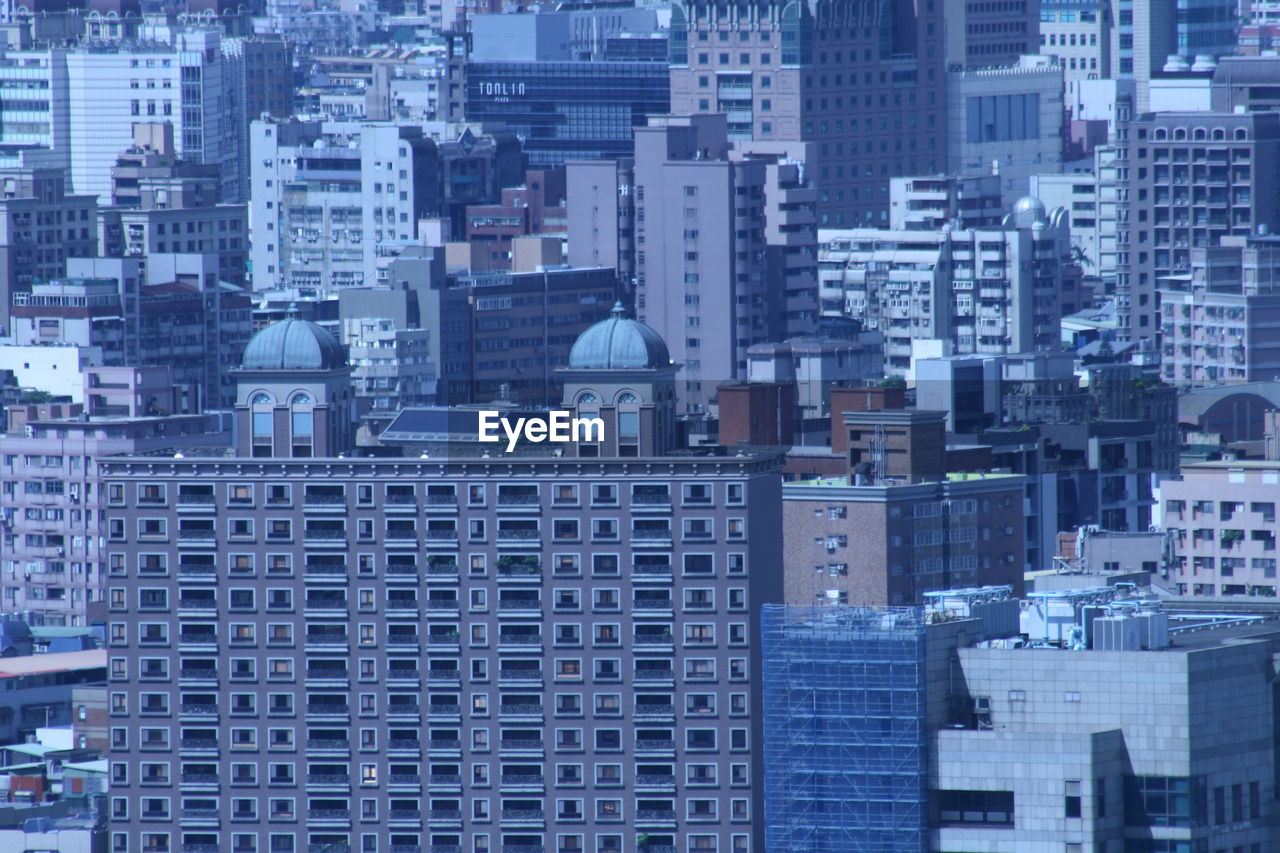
(53, 662)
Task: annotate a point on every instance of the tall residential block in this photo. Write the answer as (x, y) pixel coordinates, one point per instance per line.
(1218, 321)
(523, 652)
(725, 249)
(979, 290)
(330, 199)
(1192, 178)
(864, 82)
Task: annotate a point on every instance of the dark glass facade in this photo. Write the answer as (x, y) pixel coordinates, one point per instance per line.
(569, 110)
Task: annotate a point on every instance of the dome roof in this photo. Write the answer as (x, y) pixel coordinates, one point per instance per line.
(293, 345)
(1028, 211)
(619, 344)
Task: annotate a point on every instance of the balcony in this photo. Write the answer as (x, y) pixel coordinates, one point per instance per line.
(520, 639)
(328, 779)
(521, 744)
(522, 779)
(520, 675)
(321, 499)
(198, 638)
(532, 605)
(199, 708)
(404, 743)
(523, 815)
(325, 535)
(655, 780)
(649, 676)
(326, 743)
(404, 779)
(518, 535)
(205, 743)
(329, 571)
(198, 673)
(450, 779)
(442, 604)
(328, 708)
(444, 745)
(329, 814)
(651, 571)
(655, 745)
(401, 572)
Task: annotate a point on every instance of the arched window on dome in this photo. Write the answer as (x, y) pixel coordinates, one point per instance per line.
(262, 423)
(628, 424)
(301, 425)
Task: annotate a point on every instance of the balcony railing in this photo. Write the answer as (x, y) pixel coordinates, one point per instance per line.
(520, 743)
(328, 779)
(328, 743)
(522, 778)
(404, 743)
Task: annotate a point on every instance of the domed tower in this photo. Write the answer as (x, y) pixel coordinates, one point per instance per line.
(293, 393)
(620, 371)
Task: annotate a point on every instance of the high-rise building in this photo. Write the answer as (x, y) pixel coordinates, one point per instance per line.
(88, 98)
(178, 314)
(42, 224)
(567, 110)
(1006, 121)
(1222, 521)
(260, 80)
(982, 290)
(160, 205)
(929, 203)
(1077, 33)
(505, 334)
(523, 652)
(865, 84)
(985, 35)
(1147, 34)
(1216, 321)
(600, 202)
(1192, 179)
(329, 199)
(391, 369)
(895, 730)
(725, 249)
(52, 521)
(898, 524)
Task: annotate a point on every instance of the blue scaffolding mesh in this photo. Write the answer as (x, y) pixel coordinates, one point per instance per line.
(844, 705)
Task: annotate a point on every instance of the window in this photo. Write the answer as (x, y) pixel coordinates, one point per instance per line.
(992, 808)
(1164, 801)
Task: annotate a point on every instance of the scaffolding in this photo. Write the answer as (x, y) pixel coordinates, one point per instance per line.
(844, 722)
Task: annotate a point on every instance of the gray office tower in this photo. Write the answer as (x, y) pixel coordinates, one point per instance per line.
(864, 82)
(313, 653)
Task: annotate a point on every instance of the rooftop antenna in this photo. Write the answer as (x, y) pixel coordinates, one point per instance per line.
(877, 454)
